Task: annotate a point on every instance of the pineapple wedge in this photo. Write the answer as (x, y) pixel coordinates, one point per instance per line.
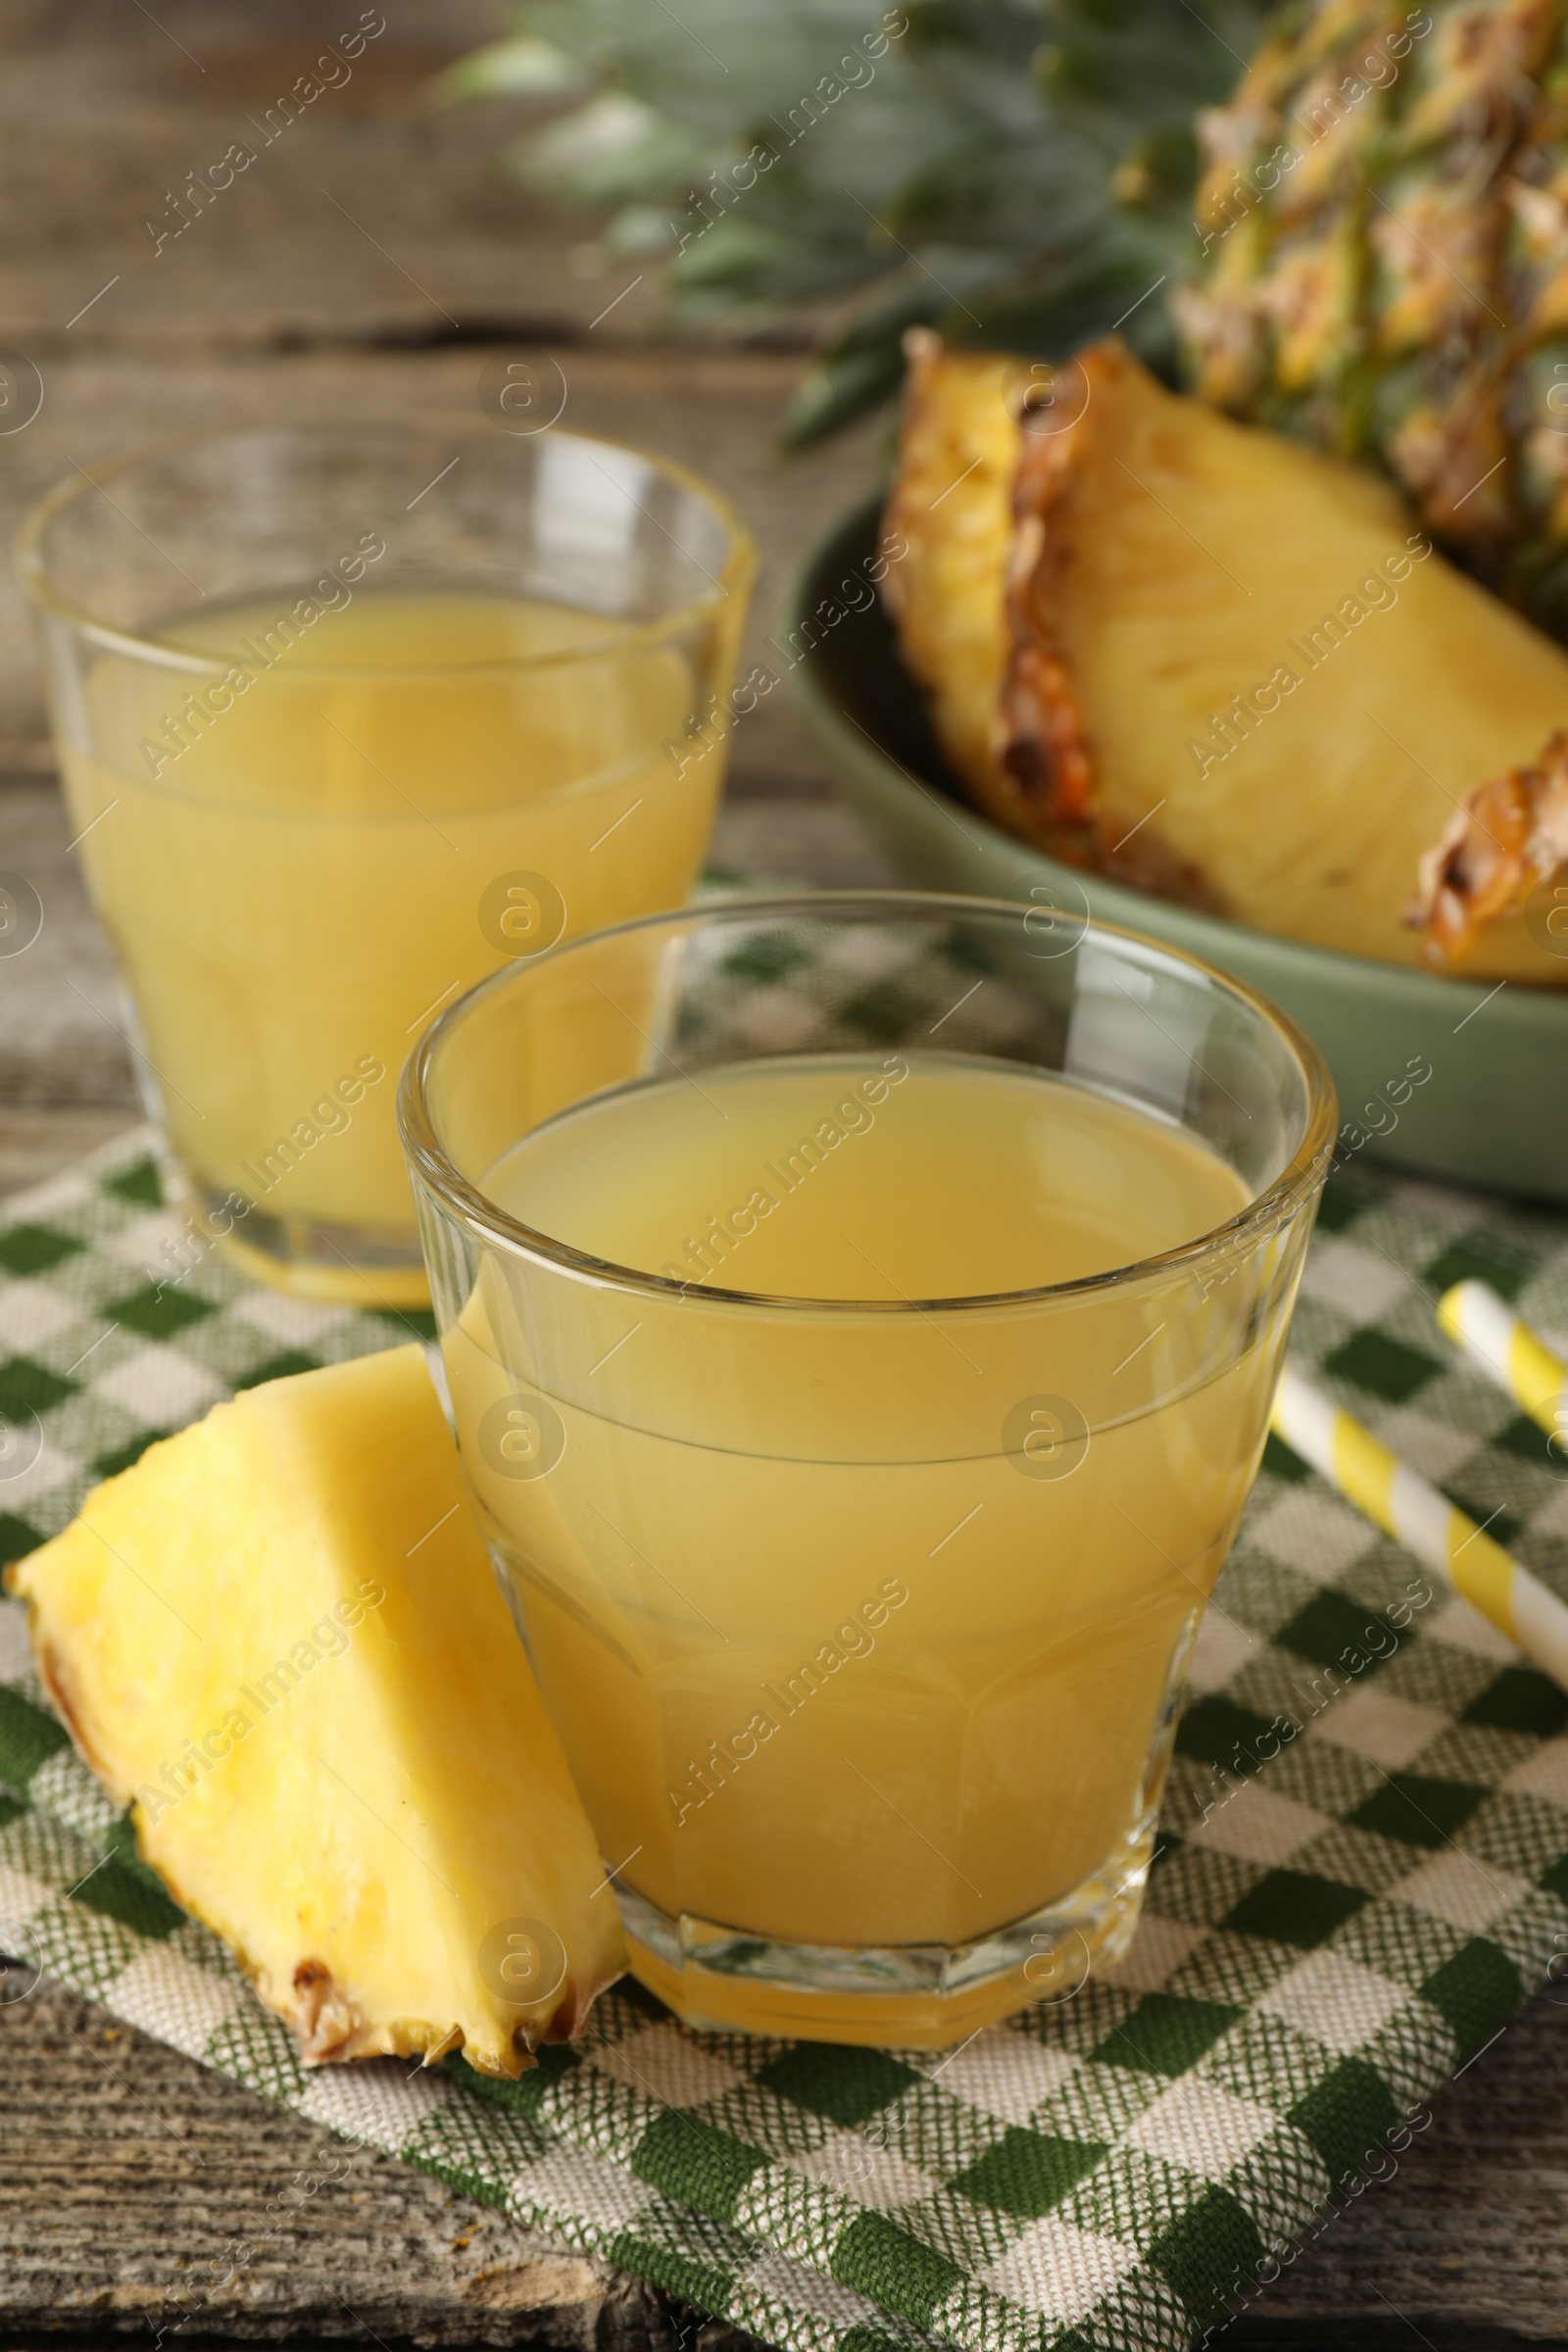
(1506, 852)
(952, 505)
(1232, 672)
(279, 1634)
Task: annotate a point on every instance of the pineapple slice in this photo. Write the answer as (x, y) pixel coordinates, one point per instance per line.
(278, 1633)
(1504, 852)
(1236, 675)
(952, 505)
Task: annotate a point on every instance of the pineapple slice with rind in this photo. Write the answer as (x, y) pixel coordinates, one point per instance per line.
(1232, 672)
(279, 1635)
(1506, 852)
(952, 506)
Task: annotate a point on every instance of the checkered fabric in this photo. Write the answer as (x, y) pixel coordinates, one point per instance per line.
(1362, 1871)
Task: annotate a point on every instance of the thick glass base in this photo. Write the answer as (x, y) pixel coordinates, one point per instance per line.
(338, 1264)
(902, 1996)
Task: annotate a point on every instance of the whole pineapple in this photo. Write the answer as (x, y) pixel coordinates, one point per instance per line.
(1384, 218)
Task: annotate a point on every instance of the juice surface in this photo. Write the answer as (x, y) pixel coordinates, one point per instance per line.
(300, 885)
(831, 1665)
(949, 1178)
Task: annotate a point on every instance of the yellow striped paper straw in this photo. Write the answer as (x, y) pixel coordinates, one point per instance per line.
(1407, 1508)
(1518, 1358)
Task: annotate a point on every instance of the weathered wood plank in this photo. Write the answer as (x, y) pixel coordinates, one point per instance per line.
(366, 212)
(36, 1143)
(134, 2179)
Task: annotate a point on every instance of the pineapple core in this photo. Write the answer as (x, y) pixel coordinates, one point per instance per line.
(279, 1635)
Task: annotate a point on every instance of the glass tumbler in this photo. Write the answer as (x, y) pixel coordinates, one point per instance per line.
(864, 1619)
(349, 717)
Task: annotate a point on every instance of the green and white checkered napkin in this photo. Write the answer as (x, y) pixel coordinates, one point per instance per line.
(1363, 1868)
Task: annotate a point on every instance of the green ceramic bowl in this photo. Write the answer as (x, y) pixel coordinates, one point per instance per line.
(1495, 1108)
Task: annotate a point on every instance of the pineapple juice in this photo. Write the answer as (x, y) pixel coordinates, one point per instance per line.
(830, 1667)
(327, 861)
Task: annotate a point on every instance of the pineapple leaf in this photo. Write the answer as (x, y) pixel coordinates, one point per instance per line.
(1021, 196)
(520, 67)
(863, 363)
(1001, 168)
(605, 152)
(840, 386)
(1121, 69)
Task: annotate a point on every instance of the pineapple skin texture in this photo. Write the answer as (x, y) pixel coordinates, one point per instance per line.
(1383, 217)
(355, 1825)
(1162, 561)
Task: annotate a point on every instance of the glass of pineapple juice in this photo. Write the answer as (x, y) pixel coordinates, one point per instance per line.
(858, 1382)
(348, 718)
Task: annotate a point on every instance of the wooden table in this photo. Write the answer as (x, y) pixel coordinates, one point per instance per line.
(368, 264)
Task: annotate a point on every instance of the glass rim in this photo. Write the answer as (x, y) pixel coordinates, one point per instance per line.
(33, 572)
(479, 1214)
